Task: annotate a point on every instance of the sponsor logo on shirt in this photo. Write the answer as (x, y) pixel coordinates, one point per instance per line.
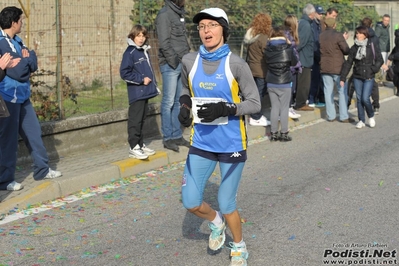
(207, 85)
(219, 76)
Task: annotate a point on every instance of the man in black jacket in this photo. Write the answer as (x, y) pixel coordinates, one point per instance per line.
(173, 44)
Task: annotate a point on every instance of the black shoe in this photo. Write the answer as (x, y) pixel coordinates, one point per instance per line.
(284, 137)
(274, 136)
(182, 142)
(170, 145)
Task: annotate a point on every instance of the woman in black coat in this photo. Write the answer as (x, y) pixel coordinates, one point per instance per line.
(366, 59)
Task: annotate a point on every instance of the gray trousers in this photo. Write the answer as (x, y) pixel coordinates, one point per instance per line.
(280, 100)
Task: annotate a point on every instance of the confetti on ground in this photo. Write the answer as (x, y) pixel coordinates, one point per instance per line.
(381, 182)
(292, 237)
(327, 188)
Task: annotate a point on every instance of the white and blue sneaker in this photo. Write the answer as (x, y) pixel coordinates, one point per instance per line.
(217, 236)
(238, 254)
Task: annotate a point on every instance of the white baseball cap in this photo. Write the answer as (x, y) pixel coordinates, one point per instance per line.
(210, 13)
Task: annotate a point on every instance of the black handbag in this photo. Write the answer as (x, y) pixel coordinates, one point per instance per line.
(3, 108)
(390, 74)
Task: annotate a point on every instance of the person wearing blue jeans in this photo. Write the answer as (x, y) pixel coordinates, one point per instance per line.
(363, 90)
(367, 61)
(329, 80)
(15, 90)
(170, 106)
(173, 45)
(333, 48)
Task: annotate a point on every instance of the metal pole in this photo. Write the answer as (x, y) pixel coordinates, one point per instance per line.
(141, 12)
(59, 57)
(27, 13)
(297, 10)
(110, 65)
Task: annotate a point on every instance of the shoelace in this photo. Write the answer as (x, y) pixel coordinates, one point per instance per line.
(215, 231)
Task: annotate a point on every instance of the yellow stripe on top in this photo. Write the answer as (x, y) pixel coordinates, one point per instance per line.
(235, 95)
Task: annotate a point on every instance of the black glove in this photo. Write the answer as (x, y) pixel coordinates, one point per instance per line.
(185, 111)
(210, 111)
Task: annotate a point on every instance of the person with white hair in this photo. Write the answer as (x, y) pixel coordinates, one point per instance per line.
(306, 55)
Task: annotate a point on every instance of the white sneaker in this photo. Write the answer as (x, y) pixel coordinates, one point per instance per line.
(14, 186)
(262, 122)
(360, 124)
(372, 121)
(217, 236)
(137, 153)
(147, 151)
(52, 174)
(292, 114)
(239, 255)
(312, 105)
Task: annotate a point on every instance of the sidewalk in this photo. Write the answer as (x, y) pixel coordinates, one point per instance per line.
(105, 164)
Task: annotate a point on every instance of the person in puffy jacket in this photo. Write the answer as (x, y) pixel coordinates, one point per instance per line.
(136, 70)
(367, 60)
(280, 57)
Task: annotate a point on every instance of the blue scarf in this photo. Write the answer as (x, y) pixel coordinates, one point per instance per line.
(223, 51)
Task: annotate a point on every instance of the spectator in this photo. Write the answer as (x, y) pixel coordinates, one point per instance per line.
(316, 95)
(367, 60)
(331, 13)
(173, 44)
(280, 57)
(291, 33)
(136, 70)
(394, 58)
(375, 93)
(382, 29)
(15, 90)
(306, 53)
(228, 77)
(333, 48)
(256, 38)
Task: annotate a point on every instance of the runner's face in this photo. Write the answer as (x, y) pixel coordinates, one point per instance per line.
(211, 34)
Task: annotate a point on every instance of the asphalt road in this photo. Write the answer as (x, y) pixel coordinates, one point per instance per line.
(331, 194)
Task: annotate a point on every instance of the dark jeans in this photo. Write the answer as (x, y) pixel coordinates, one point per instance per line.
(22, 121)
(375, 93)
(316, 92)
(363, 91)
(135, 123)
(262, 88)
(396, 82)
(303, 86)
